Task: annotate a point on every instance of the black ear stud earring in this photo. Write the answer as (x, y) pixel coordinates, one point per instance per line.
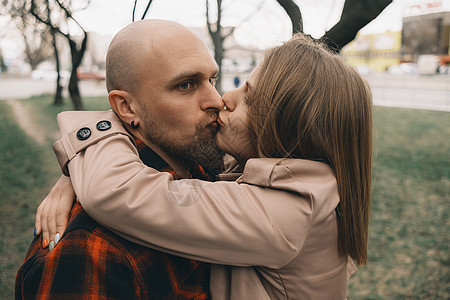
(134, 126)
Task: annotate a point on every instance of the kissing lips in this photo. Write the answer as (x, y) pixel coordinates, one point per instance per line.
(219, 121)
(213, 124)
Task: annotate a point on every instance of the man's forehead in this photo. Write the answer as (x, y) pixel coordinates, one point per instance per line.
(193, 66)
(183, 55)
(188, 64)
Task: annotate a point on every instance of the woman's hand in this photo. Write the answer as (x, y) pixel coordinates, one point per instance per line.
(53, 213)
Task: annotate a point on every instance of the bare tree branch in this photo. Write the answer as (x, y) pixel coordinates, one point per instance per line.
(229, 33)
(58, 100)
(208, 18)
(246, 19)
(36, 36)
(69, 14)
(145, 11)
(217, 39)
(355, 15)
(219, 16)
(86, 6)
(75, 52)
(294, 14)
(134, 10)
(33, 11)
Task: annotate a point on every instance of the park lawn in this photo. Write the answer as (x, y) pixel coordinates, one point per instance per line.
(44, 112)
(28, 171)
(409, 233)
(408, 249)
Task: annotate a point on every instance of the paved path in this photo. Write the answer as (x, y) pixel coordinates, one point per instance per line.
(26, 123)
(420, 92)
(19, 88)
(13, 89)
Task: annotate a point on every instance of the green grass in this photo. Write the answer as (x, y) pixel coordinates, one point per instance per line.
(409, 234)
(23, 179)
(44, 112)
(28, 171)
(409, 245)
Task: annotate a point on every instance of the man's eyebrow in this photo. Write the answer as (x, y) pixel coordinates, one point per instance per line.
(183, 76)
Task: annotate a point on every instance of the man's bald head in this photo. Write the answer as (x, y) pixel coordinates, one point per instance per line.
(136, 47)
(160, 75)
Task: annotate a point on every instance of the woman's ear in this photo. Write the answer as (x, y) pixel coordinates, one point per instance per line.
(122, 104)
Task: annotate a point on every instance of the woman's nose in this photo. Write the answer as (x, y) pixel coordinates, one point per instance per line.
(228, 100)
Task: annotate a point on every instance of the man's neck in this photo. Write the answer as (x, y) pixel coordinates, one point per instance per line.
(166, 163)
(181, 168)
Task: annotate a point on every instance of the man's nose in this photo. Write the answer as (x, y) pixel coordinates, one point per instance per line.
(211, 99)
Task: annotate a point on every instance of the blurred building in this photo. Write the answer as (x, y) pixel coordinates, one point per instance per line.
(375, 51)
(425, 30)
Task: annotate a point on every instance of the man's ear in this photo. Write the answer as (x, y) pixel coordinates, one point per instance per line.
(122, 104)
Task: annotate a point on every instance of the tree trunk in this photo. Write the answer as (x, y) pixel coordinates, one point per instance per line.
(77, 56)
(74, 91)
(58, 100)
(218, 56)
(217, 39)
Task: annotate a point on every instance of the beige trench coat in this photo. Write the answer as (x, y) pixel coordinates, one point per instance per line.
(276, 224)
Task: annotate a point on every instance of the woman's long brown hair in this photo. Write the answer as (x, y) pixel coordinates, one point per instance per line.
(308, 103)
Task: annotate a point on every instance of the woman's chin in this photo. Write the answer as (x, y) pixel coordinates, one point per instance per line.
(220, 143)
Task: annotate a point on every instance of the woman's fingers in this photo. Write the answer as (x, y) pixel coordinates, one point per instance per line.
(37, 223)
(53, 213)
(65, 203)
(44, 226)
(62, 212)
(51, 220)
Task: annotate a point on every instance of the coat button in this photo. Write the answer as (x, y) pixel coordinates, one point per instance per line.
(103, 125)
(83, 133)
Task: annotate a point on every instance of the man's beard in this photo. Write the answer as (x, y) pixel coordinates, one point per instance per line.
(201, 150)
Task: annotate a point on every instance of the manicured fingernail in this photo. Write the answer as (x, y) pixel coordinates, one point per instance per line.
(44, 243)
(34, 231)
(56, 238)
(51, 246)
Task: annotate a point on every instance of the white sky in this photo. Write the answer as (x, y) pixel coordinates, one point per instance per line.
(260, 28)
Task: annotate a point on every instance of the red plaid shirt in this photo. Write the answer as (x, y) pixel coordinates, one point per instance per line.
(91, 262)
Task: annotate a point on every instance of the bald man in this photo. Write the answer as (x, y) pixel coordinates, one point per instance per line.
(160, 80)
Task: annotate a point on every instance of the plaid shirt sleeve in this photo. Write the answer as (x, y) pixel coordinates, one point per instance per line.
(84, 265)
(91, 262)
